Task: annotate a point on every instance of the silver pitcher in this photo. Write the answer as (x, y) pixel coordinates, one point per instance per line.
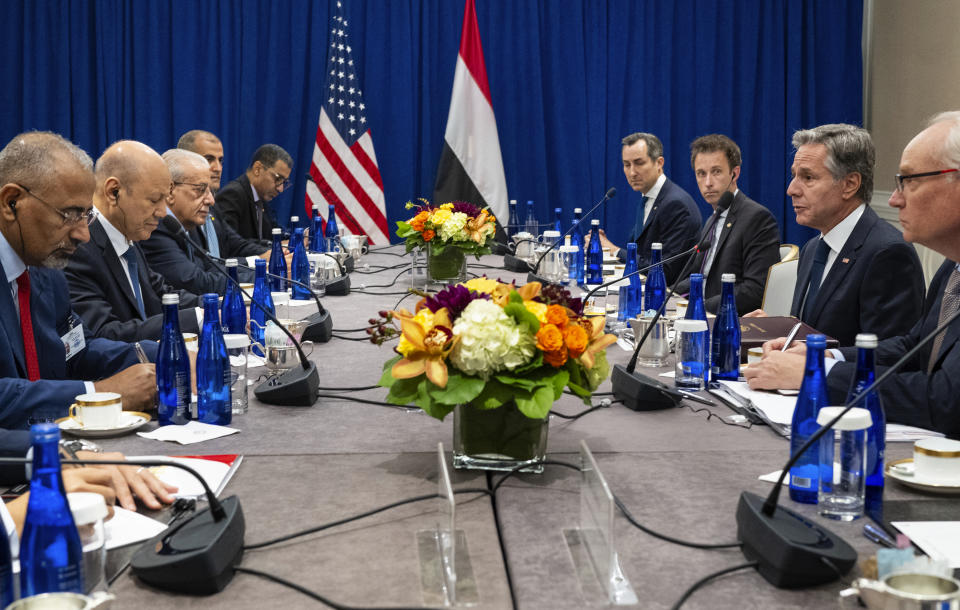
(904, 592)
(656, 348)
(64, 601)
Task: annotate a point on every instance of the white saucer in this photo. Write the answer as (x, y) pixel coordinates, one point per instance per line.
(129, 421)
(902, 472)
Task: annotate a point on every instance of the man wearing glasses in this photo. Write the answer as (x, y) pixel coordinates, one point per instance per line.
(46, 357)
(112, 286)
(924, 392)
(242, 203)
(859, 275)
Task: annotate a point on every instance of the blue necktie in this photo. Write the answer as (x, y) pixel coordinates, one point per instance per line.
(213, 245)
(638, 223)
(816, 275)
(131, 257)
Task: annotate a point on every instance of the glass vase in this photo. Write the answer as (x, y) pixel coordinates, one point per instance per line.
(446, 267)
(498, 439)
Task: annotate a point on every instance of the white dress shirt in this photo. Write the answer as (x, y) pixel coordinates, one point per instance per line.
(718, 229)
(838, 236)
(651, 196)
(120, 245)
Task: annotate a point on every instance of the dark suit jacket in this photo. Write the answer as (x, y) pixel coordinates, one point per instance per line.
(674, 221)
(236, 207)
(874, 286)
(173, 257)
(60, 379)
(102, 295)
(13, 443)
(910, 396)
(749, 244)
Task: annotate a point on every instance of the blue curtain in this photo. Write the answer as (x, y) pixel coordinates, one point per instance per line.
(569, 78)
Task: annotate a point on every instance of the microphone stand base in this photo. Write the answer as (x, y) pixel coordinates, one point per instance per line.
(533, 277)
(512, 263)
(348, 264)
(319, 327)
(642, 393)
(339, 287)
(498, 248)
(196, 555)
(295, 388)
(792, 551)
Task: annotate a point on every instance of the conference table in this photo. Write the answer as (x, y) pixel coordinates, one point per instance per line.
(680, 471)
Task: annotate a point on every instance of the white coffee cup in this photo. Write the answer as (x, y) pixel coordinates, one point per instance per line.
(97, 410)
(937, 459)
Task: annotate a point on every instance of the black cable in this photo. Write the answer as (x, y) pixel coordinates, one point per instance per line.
(364, 291)
(378, 403)
(374, 511)
(390, 285)
(603, 405)
(350, 330)
(500, 541)
(708, 578)
(404, 298)
(664, 537)
(350, 338)
(712, 414)
(356, 389)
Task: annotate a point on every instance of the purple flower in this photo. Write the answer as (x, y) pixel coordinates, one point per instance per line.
(467, 208)
(454, 298)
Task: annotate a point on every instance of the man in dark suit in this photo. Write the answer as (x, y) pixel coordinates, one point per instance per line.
(744, 241)
(113, 288)
(667, 214)
(859, 275)
(242, 203)
(168, 250)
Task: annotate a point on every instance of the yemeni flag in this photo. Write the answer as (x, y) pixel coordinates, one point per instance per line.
(471, 168)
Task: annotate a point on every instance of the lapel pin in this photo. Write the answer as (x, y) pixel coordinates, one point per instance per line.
(729, 224)
(846, 260)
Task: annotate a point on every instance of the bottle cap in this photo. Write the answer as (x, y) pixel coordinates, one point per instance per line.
(236, 341)
(551, 234)
(728, 277)
(854, 419)
(816, 340)
(513, 202)
(689, 326)
(557, 210)
(694, 276)
(868, 340)
(276, 231)
(656, 246)
(578, 210)
(596, 223)
(230, 262)
(87, 507)
(170, 298)
(632, 246)
(294, 219)
(566, 240)
(211, 298)
(565, 249)
(259, 262)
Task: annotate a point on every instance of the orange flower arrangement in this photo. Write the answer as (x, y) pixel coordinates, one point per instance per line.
(428, 235)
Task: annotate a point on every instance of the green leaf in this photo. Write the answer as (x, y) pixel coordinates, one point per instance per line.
(533, 365)
(404, 391)
(537, 406)
(559, 382)
(518, 382)
(386, 379)
(521, 314)
(460, 389)
(494, 394)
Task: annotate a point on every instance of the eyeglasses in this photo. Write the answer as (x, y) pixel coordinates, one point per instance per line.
(280, 181)
(199, 190)
(71, 216)
(901, 178)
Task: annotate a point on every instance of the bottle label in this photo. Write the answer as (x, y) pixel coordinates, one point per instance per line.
(801, 482)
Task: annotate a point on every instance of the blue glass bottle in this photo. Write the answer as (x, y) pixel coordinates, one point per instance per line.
(558, 220)
(531, 225)
(725, 340)
(513, 219)
(213, 368)
(261, 294)
(804, 476)
(655, 290)
(294, 223)
(300, 267)
(278, 264)
(877, 433)
(51, 555)
(695, 307)
(6, 569)
(173, 367)
(332, 230)
(635, 304)
(233, 313)
(594, 255)
(317, 241)
(578, 240)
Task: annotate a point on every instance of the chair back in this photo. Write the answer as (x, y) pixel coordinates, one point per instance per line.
(778, 293)
(789, 252)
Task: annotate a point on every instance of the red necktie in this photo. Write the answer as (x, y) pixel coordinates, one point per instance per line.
(26, 326)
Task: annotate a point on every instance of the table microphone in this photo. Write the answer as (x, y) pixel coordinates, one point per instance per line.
(348, 262)
(640, 392)
(196, 555)
(532, 276)
(791, 551)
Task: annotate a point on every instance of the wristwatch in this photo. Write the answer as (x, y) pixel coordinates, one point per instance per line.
(71, 447)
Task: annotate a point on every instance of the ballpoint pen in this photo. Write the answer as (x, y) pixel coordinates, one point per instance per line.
(141, 355)
(696, 398)
(877, 535)
(793, 333)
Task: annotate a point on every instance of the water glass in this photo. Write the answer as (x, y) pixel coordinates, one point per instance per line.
(692, 354)
(318, 273)
(238, 347)
(842, 489)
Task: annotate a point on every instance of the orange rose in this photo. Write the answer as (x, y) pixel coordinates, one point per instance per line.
(549, 338)
(428, 235)
(557, 315)
(576, 339)
(555, 359)
(419, 220)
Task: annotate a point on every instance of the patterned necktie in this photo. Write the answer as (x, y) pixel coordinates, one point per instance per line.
(259, 220)
(132, 266)
(816, 276)
(213, 244)
(26, 327)
(948, 306)
(706, 252)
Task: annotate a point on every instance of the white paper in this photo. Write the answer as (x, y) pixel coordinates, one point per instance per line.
(899, 433)
(189, 433)
(669, 374)
(938, 539)
(777, 408)
(187, 485)
(127, 527)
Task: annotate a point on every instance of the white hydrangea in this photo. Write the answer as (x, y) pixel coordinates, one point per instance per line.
(490, 341)
(452, 228)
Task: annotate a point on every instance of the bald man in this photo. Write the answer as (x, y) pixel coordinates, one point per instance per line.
(111, 284)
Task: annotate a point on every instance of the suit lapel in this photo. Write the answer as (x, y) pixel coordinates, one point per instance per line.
(11, 324)
(99, 236)
(653, 210)
(715, 274)
(803, 274)
(845, 261)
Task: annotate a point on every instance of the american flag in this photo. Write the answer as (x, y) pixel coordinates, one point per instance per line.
(344, 166)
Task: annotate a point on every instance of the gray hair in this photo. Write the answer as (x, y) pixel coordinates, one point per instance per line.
(849, 150)
(269, 154)
(951, 144)
(179, 161)
(188, 141)
(654, 145)
(35, 159)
